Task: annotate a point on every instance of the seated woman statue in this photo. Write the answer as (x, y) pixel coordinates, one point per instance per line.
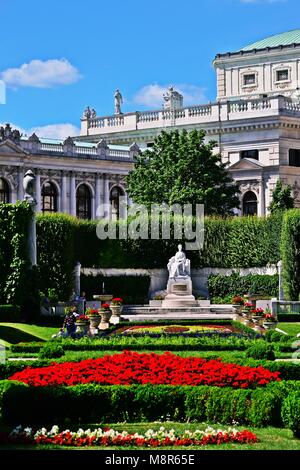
(179, 265)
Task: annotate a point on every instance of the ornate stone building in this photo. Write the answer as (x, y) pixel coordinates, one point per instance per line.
(76, 178)
(255, 121)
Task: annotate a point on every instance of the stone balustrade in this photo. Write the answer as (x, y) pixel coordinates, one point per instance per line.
(202, 114)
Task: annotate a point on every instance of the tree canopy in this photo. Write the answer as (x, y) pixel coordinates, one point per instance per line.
(282, 198)
(181, 168)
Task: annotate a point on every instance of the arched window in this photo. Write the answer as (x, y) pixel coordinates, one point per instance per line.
(115, 193)
(83, 202)
(250, 203)
(49, 197)
(4, 191)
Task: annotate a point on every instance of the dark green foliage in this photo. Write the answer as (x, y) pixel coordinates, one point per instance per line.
(273, 336)
(261, 350)
(290, 412)
(9, 313)
(10, 367)
(282, 198)
(55, 241)
(288, 317)
(14, 273)
(51, 350)
(178, 158)
(98, 403)
(235, 284)
(133, 289)
(290, 253)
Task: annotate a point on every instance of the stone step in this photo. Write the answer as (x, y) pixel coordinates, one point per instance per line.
(177, 317)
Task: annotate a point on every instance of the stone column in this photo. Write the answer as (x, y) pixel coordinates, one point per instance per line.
(107, 213)
(38, 191)
(262, 198)
(29, 185)
(64, 205)
(72, 194)
(97, 197)
(77, 278)
(280, 287)
(20, 184)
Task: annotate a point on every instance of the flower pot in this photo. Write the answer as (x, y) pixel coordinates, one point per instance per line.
(105, 316)
(269, 325)
(82, 327)
(94, 323)
(116, 313)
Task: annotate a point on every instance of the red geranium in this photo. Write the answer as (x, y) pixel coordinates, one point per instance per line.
(134, 368)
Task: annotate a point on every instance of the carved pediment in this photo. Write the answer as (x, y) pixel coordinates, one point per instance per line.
(9, 147)
(246, 164)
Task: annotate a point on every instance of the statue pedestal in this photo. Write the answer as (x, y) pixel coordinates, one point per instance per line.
(179, 293)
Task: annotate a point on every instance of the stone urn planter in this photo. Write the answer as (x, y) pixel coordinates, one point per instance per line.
(105, 316)
(94, 323)
(82, 327)
(116, 314)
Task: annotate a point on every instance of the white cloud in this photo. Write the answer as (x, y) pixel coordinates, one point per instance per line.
(51, 131)
(55, 131)
(152, 95)
(41, 74)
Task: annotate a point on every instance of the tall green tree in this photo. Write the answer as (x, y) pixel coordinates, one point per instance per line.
(282, 198)
(181, 168)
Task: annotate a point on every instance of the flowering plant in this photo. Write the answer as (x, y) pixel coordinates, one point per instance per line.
(92, 311)
(105, 308)
(269, 317)
(133, 368)
(83, 318)
(248, 306)
(237, 300)
(117, 301)
(109, 437)
(258, 312)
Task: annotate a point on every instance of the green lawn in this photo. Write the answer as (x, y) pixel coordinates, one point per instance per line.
(13, 333)
(269, 438)
(290, 328)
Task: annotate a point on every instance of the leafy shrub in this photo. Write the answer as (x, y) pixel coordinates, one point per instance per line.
(133, 289)
(9, 313)
(261, 350)
(235, 284)
(135, 403)
(290, 253)
(288, 317)
(51, 350)
(291, 413)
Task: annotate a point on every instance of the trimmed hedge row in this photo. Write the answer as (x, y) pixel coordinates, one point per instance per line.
(290, 252)
(133, 289)
(9, 313)
(288, 317)
(135, 403)
(235, 284)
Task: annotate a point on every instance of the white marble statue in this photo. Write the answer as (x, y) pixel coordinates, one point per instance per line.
(118, 101)
(29, 186)
(179, 266)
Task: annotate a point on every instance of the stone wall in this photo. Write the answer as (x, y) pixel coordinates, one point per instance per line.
(159, 277)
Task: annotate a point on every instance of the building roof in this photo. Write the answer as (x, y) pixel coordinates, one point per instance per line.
(282, 39)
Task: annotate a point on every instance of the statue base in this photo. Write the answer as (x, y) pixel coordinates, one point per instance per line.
(179, 293)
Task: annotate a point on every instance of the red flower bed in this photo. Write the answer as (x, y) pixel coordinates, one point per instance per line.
(133, 368)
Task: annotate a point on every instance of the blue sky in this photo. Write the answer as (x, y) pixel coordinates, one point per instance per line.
(58, 56)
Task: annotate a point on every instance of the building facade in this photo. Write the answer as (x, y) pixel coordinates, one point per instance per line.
(76, 178)
(255, 121)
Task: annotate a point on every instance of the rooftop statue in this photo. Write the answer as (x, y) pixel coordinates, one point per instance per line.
(86, 113)
(118, 101)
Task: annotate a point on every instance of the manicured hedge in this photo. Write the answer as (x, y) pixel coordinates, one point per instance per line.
(15, 273)
(9, 313)
(133, 289)
(288, 317)
(135, 403)
(235, 284)
(290, 253)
